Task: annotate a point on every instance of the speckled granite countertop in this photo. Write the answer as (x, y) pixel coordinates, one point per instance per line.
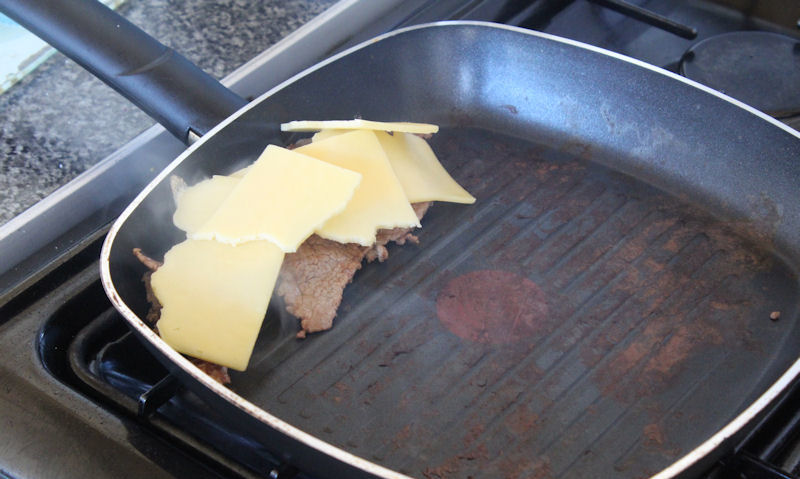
(60, 120)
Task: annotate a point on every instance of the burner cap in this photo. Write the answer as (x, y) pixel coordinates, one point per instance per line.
(761, 69)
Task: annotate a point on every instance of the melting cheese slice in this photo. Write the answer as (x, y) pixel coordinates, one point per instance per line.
(214, 297)
(197, 203)
(419, 171)
(282, 198)
(422, 176)
(358, 124)
(379, 201)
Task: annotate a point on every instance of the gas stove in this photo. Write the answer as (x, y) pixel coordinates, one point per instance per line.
(80, 396)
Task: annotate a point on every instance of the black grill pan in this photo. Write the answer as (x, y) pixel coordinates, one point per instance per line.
(635, 233)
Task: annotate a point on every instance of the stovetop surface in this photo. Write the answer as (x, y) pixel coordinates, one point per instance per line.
(67, 404)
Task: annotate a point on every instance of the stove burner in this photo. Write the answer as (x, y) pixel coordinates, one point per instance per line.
(761, 69)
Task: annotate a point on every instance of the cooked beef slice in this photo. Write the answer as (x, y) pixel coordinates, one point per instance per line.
(152, 264)
(151, 318)
(312, 280)
(398, 235)
(217, 372)
(154, 312)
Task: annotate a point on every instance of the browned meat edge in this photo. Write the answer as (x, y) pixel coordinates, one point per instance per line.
(312, 280)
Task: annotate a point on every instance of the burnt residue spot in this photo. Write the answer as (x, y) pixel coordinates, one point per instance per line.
(511, 108)
(691, 293)
(654, 435)
(492, 307)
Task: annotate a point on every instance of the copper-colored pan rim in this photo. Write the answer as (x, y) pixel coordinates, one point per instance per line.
(680, 466)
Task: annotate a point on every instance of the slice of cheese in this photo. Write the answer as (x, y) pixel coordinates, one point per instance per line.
(379, 201)
(214, 297)
(419, 171)
(197, 203)
(283, 198)
(327, 133)
(358, 124)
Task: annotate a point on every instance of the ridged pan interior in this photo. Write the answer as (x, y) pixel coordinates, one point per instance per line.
(602, 309)
(574, 322)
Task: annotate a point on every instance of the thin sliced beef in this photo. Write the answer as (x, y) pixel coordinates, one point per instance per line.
(177, 185)
(312, 280)
(398, 235)
(154, 313)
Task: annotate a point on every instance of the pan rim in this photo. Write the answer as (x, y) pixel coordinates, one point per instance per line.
(681, 465)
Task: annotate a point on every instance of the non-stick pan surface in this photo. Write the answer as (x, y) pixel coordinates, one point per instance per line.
(603, 310)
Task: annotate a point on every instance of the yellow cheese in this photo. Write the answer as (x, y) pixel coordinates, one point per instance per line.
(283, 198)
(422, 176)
(196, 204)
(214, 297)
(379, 201)
(419, 171)
(358, 124)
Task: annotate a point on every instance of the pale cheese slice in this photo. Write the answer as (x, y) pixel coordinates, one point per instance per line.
(379, 201)
(214, 297)
(358, 124)
(419, 171)
(283, 198)
(327, 133)
(197, 203)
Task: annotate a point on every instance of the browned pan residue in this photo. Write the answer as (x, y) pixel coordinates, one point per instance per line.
(492, 307)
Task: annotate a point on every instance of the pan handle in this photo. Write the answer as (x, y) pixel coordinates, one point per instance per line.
(157, 79)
